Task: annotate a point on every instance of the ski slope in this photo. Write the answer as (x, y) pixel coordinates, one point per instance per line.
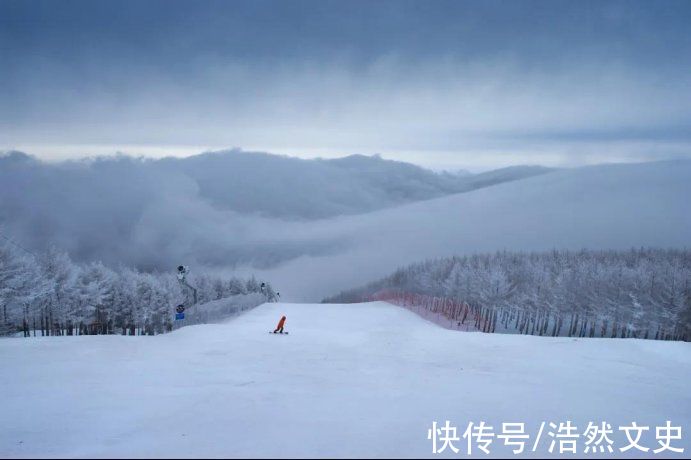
(349, 381)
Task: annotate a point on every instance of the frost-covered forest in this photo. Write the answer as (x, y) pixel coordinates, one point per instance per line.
(49, 294)
(644, 293)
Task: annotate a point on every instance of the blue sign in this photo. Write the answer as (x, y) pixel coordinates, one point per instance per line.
(179, 316)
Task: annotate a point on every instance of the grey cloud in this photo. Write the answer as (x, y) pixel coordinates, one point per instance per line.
(216, 209)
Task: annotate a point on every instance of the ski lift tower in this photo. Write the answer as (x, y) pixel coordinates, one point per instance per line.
(183, 271)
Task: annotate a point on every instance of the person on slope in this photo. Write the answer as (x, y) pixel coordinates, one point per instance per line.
(279, 328)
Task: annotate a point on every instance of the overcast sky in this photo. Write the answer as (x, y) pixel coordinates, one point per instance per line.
(443, 84)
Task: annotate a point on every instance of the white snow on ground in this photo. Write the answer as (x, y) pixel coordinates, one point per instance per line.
(349, 380)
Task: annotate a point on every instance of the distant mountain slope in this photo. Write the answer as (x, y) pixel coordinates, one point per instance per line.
(262, 184)
(214, 208)
(598, 207)
(287, 187)
(138, 212)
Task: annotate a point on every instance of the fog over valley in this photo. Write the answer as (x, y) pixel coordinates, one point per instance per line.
(360, 216)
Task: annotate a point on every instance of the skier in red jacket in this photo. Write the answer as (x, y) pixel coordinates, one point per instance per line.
(279, 328)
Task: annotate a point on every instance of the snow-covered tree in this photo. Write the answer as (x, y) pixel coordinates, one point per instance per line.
(49, 294)
(17, 278)
(637, 293)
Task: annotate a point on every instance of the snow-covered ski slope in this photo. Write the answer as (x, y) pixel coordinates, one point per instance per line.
(349, 380)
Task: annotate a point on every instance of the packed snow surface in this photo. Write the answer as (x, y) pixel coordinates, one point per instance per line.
(349, 380)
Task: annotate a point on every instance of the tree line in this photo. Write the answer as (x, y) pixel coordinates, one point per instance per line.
(49, 294)
(643, 293)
